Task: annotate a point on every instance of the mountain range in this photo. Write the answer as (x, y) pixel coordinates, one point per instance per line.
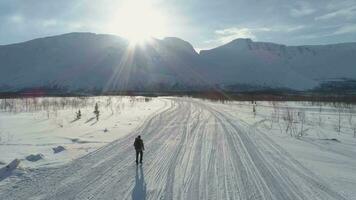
(100, 62)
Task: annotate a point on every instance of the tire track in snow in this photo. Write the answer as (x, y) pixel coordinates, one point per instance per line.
(283, 187)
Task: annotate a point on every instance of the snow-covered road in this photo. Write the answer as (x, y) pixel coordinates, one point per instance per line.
(193, 151)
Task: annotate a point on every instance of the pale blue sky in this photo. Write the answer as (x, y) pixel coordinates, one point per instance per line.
(204, 23)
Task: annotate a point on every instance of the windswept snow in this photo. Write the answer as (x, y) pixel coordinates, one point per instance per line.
(202, 150)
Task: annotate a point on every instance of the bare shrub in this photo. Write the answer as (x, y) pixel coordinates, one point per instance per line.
(289, 118)
(275, 114)
(302, 120)
(352, 120)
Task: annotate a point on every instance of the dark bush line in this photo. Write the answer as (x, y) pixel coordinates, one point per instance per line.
(253, 96)
(210, 95)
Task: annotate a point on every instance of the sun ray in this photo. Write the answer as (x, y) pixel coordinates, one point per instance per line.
(120, 76)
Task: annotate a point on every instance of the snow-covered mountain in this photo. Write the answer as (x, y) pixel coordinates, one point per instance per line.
(87, 61)
(92, 61)
(298, 67)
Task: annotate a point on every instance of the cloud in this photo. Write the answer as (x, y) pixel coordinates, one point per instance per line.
(49, 22)
(347, 13)
(226, 35)
(16, 18)
(349, 28)
(344, 29)
(303, 9)
(206, 23)
(229, 34)
(339, 4)
(287, 28)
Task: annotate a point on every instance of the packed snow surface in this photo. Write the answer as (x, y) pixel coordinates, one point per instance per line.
(199, 149)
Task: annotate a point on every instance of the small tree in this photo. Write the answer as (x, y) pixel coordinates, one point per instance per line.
(79, 114)
(96, 111)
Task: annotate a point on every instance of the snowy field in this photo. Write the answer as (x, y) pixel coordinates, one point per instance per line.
(35, 126)
(195, 149)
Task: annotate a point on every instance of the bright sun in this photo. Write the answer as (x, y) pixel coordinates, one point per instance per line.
(138, 21)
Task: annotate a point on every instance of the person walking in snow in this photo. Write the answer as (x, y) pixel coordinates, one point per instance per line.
(139, 147)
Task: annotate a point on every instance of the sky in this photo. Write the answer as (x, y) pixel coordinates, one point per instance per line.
(204, 23)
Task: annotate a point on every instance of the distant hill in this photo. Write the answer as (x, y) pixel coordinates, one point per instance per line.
(97, 62)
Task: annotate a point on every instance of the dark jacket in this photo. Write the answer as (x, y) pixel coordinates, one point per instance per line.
(138, 144)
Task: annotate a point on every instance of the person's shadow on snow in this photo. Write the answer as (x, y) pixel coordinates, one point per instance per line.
(139, 191)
